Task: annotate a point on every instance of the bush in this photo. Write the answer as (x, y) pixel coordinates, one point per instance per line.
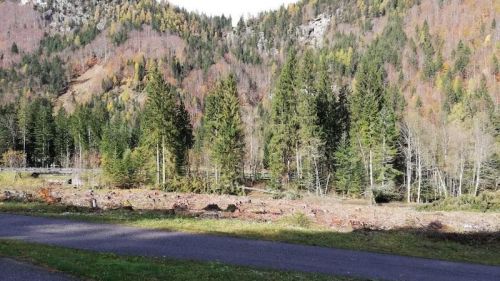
(13, 159)
(14, 49)
(187, 184)
(106, 84)
(385, 196)
(119, 37)
(485, 202)
(129, 171)
(298, 220)
(52, 44)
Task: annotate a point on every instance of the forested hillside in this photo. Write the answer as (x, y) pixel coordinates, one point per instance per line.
(383, 99)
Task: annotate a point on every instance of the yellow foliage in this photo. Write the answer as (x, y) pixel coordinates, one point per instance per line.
(293, 9)
(440, 82)
(361, 5)
(125, 96)
(446, 67)
(139, 58)
(110, 106)
(487, 40)
(344, 57)
(24, 70)
(112, 29)
(457, 84)
(115, 80)
(137, 68)
(458, 112)
(466, 31)
(77, 41)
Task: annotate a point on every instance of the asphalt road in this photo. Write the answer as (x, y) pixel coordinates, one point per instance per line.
(264, 254)
(11, 270)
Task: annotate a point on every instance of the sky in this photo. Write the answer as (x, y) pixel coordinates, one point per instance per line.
(235, 8)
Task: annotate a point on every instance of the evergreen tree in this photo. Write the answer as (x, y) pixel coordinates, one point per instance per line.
(160, 129)
(283, 127)
(462, 58)
(8, 128)
(123, 165)
(63, 140)
(310, 142)
(241, 26)
(373, 130)
(349, 177)
(224, 136)
(78, 128)
(333, 113)
(23, 122)
(185, 138)
(43, 134)
(14, 49)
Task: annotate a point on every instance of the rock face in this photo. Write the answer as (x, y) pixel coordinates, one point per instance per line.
(313, 32)
(65, 15)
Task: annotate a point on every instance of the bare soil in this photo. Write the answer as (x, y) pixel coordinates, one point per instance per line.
(329, 212)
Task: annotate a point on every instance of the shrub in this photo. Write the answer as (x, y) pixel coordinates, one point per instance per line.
(187, 184)
(128, 171)
(298, 220)
(14, 49)
(485, 202)
(13, 159)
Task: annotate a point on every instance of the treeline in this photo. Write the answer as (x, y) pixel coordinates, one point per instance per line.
(335, 121)
(347, 140)
(204, 35)
(102, 134)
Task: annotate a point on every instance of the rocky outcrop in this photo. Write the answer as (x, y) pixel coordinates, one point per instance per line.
(313, 32)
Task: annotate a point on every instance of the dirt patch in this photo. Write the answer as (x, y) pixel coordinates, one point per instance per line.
(331, 212)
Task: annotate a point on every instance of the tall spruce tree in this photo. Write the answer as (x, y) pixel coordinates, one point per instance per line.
(78, 123)
(63, 140)
(373, 130)
(43, 133)
(167, 126)
(224, 136)
(310, 142)
(8, 128)
(161, 132)
(23, 122)
(185, 138)
(333, 113)
(349, 173)
(283, 127)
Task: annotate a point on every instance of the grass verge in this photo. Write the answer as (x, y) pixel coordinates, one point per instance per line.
(472, 248)
(110, 267)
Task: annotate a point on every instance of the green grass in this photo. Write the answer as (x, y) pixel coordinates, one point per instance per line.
(110, 267)
(473, 248)
(13, 179)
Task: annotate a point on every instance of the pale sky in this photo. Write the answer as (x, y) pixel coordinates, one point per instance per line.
(235, 8)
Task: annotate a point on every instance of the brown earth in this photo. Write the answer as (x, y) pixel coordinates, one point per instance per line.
(330, 212)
